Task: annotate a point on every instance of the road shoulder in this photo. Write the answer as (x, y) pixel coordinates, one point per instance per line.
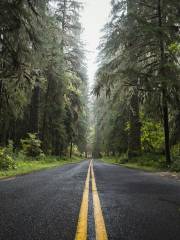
(167, 174)
(36, 166)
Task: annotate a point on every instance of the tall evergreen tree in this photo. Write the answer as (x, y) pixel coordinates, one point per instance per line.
(137, 56)
(43, 76)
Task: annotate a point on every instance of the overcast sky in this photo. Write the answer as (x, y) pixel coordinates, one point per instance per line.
(94, 16)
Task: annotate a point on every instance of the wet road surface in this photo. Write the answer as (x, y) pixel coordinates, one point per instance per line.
(46, 205)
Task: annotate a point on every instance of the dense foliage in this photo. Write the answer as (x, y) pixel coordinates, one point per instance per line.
(6, 160)
(138, 79)
(43, 82)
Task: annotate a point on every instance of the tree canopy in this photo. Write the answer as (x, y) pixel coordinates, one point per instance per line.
(139, 73)
(43, 79)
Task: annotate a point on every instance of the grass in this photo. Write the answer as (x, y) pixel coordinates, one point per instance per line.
(146, 162)
(28, 166)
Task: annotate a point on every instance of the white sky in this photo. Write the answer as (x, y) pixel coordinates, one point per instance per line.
(94, 17)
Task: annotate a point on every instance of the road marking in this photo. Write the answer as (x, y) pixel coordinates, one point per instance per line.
(100, 227)
(81, 233)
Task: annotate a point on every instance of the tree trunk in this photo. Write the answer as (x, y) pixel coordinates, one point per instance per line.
(1, 87)
(134, 138)
(34, 111)
(166, 127)
(164, 87)
(4, 133)
(175, 136)
(70, 153)
(45, 133)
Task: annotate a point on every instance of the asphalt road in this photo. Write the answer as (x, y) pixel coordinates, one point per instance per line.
(45, 205)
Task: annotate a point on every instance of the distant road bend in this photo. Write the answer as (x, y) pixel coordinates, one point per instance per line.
(90, 200)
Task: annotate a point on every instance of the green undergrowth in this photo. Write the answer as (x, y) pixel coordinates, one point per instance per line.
(147, 162)
(28, 165)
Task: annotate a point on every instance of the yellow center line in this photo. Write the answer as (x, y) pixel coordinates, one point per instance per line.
(100, 227)
(81, 233)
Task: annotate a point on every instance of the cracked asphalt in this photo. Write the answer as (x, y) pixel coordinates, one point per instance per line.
(45, 205)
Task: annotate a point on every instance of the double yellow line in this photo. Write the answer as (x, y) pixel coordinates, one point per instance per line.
(81, 233)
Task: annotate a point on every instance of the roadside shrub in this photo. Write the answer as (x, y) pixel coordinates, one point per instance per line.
(176, 165)
(6, 161)
(123, 158)
(9, 148)
(152, 137)
(21, 156)
(32, 146)
(176, 150)
(150, 160)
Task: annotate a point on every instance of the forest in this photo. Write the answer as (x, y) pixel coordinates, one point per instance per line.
(137, 109)
(89, 119)
(43, 79)
(133, 111)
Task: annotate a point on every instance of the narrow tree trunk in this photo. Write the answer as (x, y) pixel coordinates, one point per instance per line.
(70, 153)
(56, 144)
(5, 129)
(175, 136)
(34, 111)
(45, 133)
(166, 127)
(164, 86)
(1, 87)
(14, 133)
(1, 110)
(134, 138)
